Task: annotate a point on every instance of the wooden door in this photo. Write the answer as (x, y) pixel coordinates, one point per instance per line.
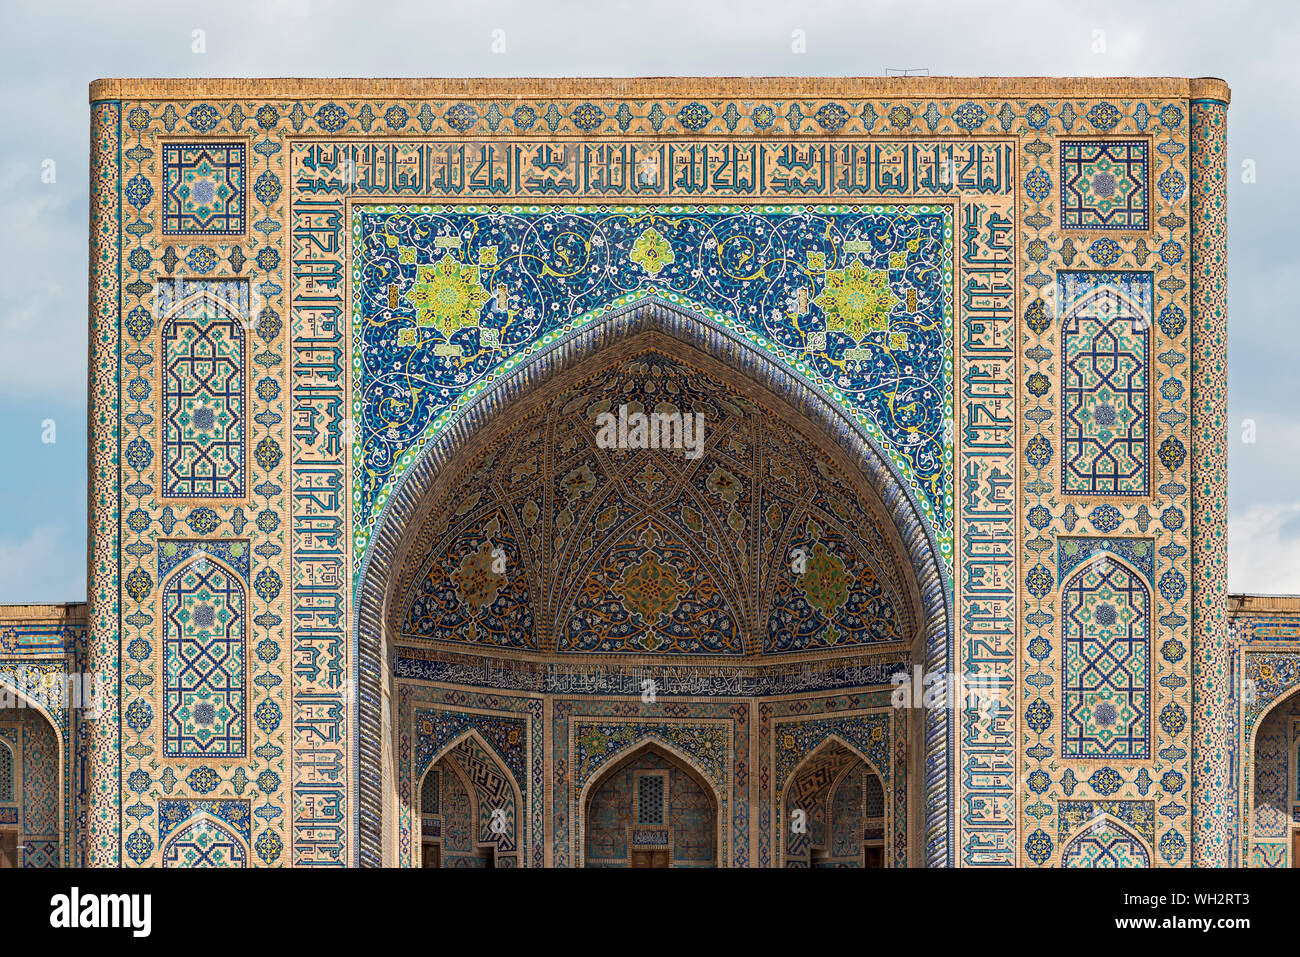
(650, 858)
(8, 849)
(432, 856)
(875, 856)
(1295, 848)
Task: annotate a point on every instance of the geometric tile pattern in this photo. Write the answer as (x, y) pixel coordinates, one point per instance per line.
(1216, 766)
(29, 782)
(203, 403)
(204, 843)
(1272, 855)
(42, 647)
(11, 749)
(692, 810)
(875, 798)
(513, 738)
(203, 189)
(1272, 804)
(40, 853)
(808, 797)
(40, 776)
(708, 737)
(6, 773)
(1105, 185)
(102, 832)
(203, 660)
(481, 805)
(1106, 663)
(495, 797)
(802, 741)
(456, 832)
(831, 791)
(1140, 495)
(1270, 677)
(1105, 382)
(650, 799)
(429, 791)
(847, 815)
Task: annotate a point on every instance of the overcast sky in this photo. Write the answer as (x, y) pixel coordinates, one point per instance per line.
(52, 50)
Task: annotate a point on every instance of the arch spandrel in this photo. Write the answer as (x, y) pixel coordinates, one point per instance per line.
(734, 265)
(205, 840)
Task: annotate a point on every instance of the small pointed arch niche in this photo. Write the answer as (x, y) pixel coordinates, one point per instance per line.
(1105, 842)
(835, 810)
(469, 807)
(204, 610)
(650, 807)
(1106, 665)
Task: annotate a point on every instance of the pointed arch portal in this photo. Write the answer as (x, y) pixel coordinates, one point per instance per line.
(433, 589)
(34, 769)
(1271, 792)
(470, 808)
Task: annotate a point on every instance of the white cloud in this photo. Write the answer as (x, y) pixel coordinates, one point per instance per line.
(1264, 550)
(43, 303)
(46, 566)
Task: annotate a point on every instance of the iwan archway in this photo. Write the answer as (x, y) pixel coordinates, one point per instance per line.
(570, 601)
(996, 307)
